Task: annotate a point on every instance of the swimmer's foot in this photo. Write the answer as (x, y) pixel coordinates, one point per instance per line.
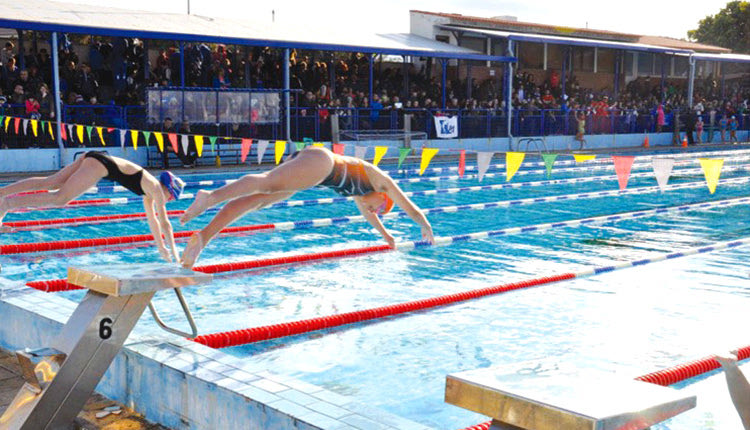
(199, 205)
(192, 251)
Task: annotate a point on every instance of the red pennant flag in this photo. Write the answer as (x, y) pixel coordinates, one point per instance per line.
(110, 129)
(338, 148)
(63, 132)
(173, 140)
(16, 123)
(623, 164)
(246, 143)
(462, 163)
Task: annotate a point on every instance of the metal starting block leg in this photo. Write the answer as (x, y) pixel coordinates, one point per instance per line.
(58, 386)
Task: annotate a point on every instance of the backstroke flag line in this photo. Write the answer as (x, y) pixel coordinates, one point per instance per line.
(245, 149)
(513, 161)
(549, 161)
(262, 145)
(662, 171)
(360, 151)
(402, 154)
(427, 154)
(712, 171)
(623, 164)
(483, 163)
(462, 164)
(379, 154)
(280, 147)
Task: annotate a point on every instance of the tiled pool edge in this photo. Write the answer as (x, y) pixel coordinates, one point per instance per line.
(184, 385)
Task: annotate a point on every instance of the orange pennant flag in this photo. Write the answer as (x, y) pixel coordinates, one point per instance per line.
(462, 163)
(173, 140)
(338, 148)
(245, 149)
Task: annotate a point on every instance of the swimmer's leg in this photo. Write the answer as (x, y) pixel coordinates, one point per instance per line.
(86, 175)
(228, 214)
(52, 182)
(306, 170)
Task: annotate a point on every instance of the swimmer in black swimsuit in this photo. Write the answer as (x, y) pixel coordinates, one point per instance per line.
(85, 172)
(373, 190)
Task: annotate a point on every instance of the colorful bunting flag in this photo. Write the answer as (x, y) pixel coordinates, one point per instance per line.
(212, 140)
(262, 145)
(173, 141)
(34, 127)
(662, 171)
(380, 152)
(402, 154)
(63, 132)
(146, 136)
(184, 141)
(7, 121)
(51, 133)
(623, 163)
(122, 138)
(280, 148)
(483, 163)
(462, 163)
(299, 146)
(338, 148)
(712, 171)
(427, 154)
(159, 141)
(25, 125)
(100, 131)
(198, 144)
(513, 162)
(70, 131)
(245, 149)
(79, 133)
(89, 129)
(360, 152)
(318, 145)
(134, 138)
(549, 161)
(580, 158)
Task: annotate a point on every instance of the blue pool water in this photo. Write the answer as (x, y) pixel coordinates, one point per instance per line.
(632, 321)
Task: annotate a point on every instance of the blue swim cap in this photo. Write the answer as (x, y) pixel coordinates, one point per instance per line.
(173, 184)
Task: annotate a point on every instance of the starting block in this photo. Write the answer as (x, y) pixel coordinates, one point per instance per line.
(589, 400)
(59, 379)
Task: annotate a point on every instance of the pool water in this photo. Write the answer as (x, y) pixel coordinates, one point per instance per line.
(631, 321)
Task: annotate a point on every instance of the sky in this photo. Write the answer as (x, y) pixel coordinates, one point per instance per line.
(646, 17)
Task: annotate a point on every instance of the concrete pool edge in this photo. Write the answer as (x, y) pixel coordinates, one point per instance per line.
(184, 385)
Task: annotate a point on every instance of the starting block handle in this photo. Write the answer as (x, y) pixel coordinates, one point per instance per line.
(188, 315)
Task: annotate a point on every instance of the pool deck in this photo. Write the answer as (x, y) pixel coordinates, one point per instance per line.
(11, 381)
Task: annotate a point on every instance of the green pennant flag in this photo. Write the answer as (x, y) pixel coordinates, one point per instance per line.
(212, 139)
(402, 153)
(549, 160)
(89, 129)
(2, 119)
(300, 145)
(147, 134)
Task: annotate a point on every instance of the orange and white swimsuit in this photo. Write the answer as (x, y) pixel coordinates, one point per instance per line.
(348, 178)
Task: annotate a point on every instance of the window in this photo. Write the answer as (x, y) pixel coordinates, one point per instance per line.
(645, 63)
(555, 55)
(531, 55)
(605, 61)
(476, 44)
(629, 58)
(681, 66)
(583, 59)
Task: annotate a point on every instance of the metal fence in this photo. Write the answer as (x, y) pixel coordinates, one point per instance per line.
(315, 123)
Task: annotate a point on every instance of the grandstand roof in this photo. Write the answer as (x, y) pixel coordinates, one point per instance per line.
(734, 58)
(543, 38)
(557, 30)
(45, 15)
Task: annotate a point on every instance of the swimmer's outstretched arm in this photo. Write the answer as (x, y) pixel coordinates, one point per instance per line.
(156, 229)
(389, 187)
(739, 389)
(374, 221)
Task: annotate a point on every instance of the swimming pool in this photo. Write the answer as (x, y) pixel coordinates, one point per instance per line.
(632, 321)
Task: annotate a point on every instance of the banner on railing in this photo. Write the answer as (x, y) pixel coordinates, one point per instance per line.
(446, 127)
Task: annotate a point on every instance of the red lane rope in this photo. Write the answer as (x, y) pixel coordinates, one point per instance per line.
(241, 337)
(23, 248)
(53, 285)
(46, 222)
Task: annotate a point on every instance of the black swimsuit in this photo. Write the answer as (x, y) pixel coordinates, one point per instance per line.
(348, 178)
(131, 182)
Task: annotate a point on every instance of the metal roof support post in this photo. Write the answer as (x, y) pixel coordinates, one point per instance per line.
(663, 77)
(691, 81)
(509, 94)
(287, 114)
(444, 66)
(405, 83)
(182, 65)
(21, 50)
(468, 80)
(56, 96)
(566, 59)
(618, 61)
(370, 60)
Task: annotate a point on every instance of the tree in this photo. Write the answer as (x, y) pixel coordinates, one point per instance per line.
(730, 28)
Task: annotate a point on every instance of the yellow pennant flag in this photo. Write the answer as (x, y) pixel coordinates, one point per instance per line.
(198, 144)
(427, 154)
(513, 162)
(134, 138)
(100, 132)
(51, 133)
(580, 158)
(34, 125)
(712, 171)
(379, 153)
(7, 122)
(159, 141)
(318, 145)
(79, 133)
(280, 148)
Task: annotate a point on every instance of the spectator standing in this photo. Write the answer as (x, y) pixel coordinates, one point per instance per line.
(32, 107)
(690, 120)
(660, 119)
(733, 129)
(699, 129)
(723, 122)
(7, 53)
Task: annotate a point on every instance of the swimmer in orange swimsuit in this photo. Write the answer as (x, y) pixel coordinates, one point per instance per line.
(373, 190)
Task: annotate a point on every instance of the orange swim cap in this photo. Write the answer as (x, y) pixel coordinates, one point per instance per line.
(386, 206)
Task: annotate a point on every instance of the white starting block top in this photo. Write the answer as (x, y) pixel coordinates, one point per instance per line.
(591, 400)
(128, 279)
